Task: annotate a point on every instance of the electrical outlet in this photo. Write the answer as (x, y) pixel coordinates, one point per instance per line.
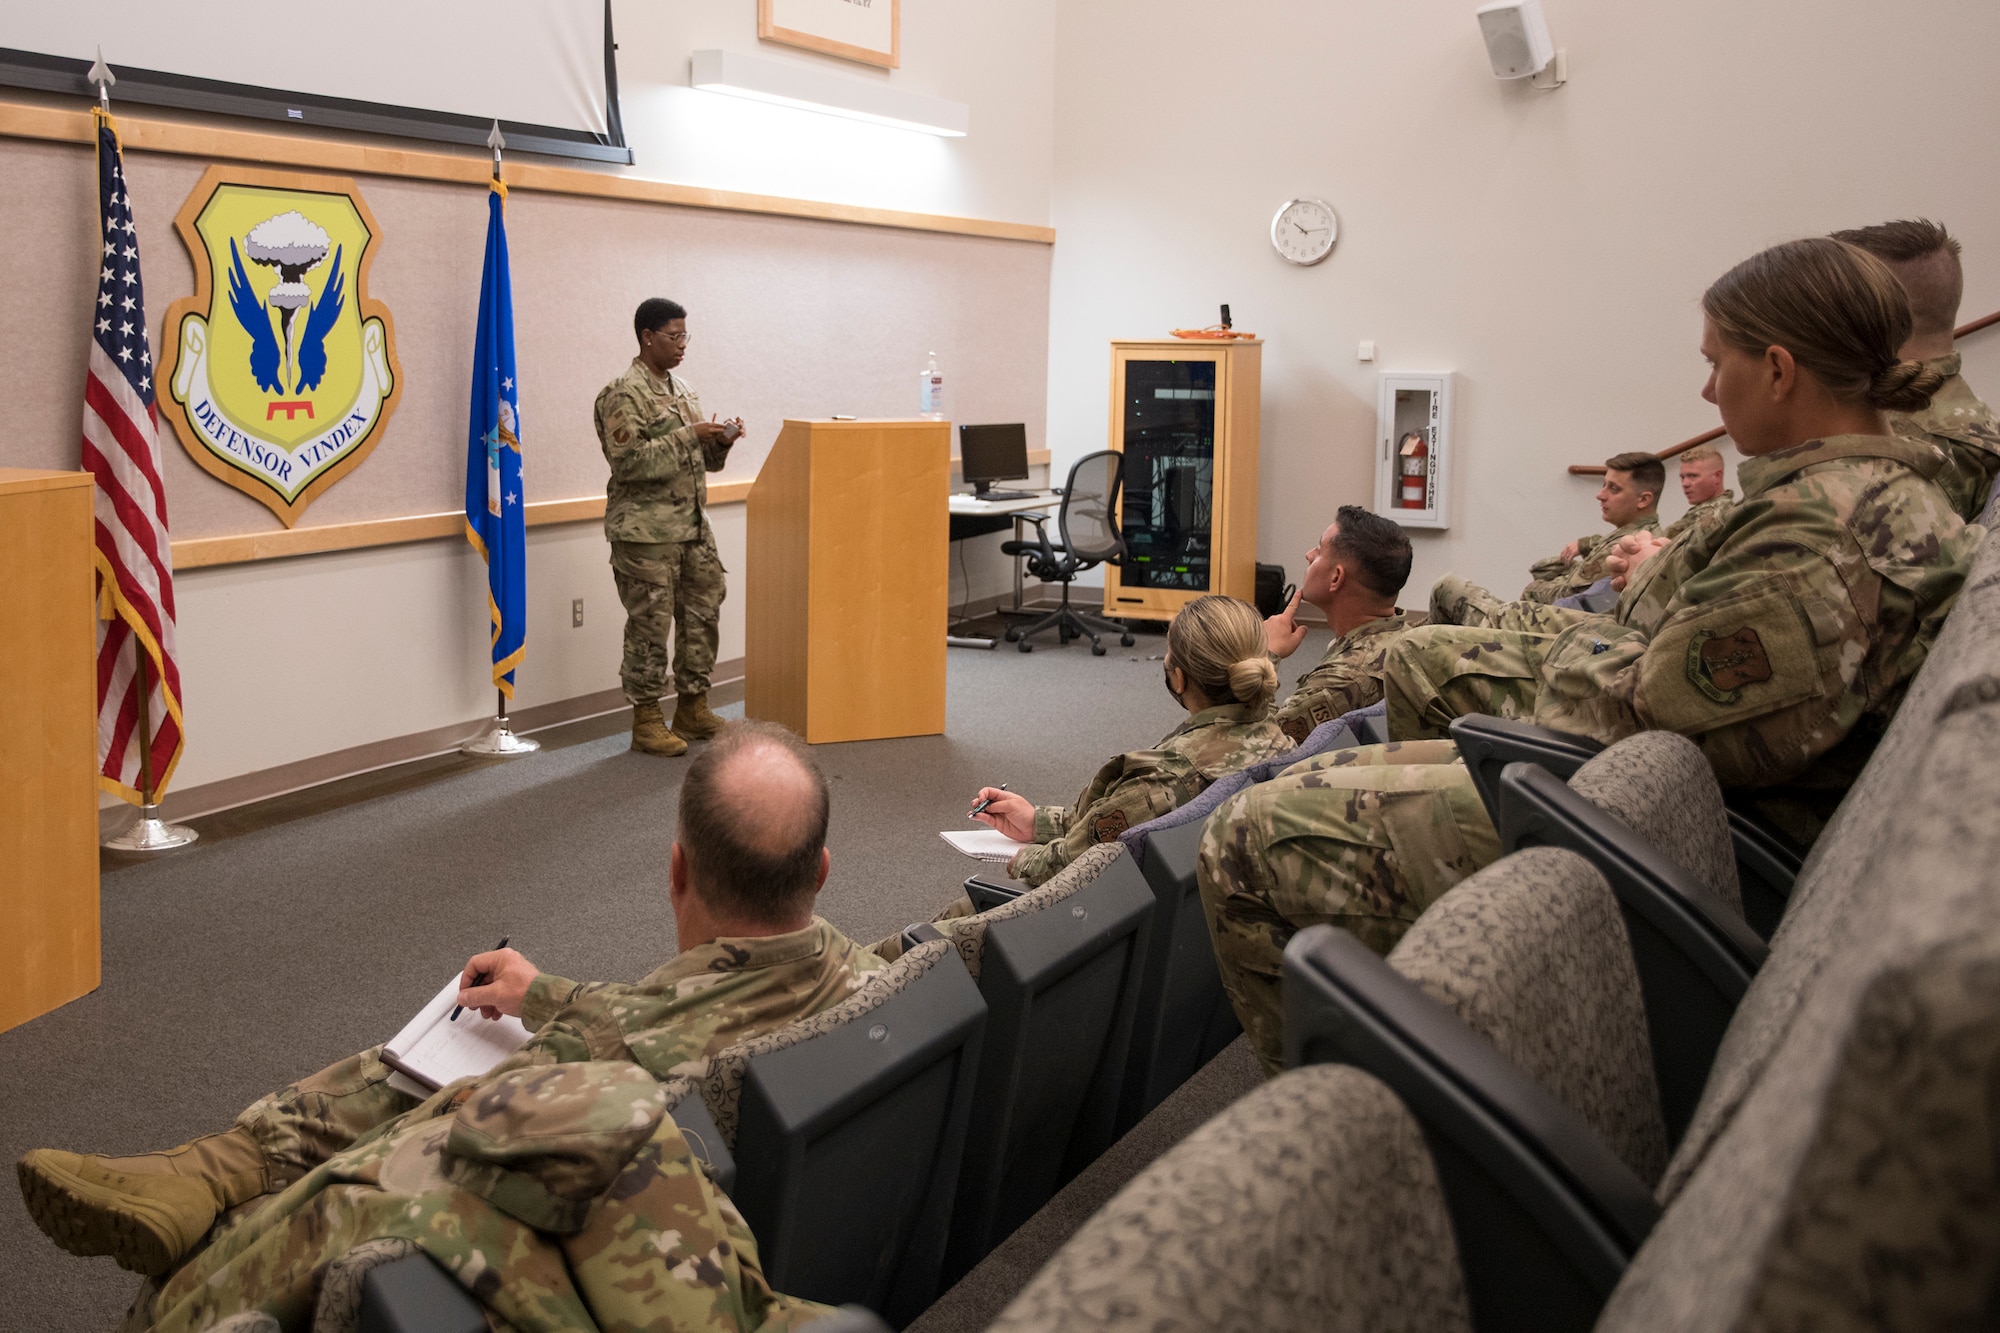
(576, 614)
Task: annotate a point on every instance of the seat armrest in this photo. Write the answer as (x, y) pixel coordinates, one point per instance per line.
(847, 1319)
(1696, 957)
(1546, 1215)
(1489, 744)
(415, 1295)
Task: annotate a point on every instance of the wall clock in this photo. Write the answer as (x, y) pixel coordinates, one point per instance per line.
(1304, 230)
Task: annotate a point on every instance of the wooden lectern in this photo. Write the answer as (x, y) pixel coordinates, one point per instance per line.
(48, 745)
(846, 586)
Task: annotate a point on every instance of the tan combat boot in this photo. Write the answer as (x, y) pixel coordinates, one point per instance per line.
(693, 720)
(650, 734)
(146, 1212)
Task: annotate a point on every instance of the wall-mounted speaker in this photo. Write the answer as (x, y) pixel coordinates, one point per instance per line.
(1517, 37)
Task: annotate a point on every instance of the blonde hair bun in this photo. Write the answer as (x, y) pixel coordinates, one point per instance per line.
(1219, 642)
(1254, 681)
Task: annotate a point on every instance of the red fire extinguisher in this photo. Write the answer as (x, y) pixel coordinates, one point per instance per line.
(1415, 457)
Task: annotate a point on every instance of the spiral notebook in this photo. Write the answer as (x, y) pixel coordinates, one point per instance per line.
(432, 1050)
(984, 844)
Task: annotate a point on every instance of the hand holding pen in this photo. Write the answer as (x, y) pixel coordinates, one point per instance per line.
(495, 983)
(999, 808)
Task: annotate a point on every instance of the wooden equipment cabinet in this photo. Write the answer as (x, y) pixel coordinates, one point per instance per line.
(48, 744)
(845, 596)
(1185, 415)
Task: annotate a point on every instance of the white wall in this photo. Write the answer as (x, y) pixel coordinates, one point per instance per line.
(1551, 247)
(999, 59)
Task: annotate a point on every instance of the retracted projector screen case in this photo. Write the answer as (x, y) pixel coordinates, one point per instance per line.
(442, 70)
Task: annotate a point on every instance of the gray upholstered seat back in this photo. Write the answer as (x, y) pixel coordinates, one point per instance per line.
(1855, 1183)
(1311, 1204)
(722, 1085)
(1532, 954)
(1841, 898)
(968, 933)
(1658, 785)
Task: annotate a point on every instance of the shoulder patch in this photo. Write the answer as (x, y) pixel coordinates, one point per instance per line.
(1106, 828)
(1297, 728)
(1720, 665)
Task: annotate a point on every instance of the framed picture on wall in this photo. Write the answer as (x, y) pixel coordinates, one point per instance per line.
(870, 31)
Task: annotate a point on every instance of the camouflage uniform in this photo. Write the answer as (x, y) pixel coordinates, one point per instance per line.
(1457, 601)
(1144, 784)
(563, 1198)
(1782, 643)
(1347, 678)
(1967, 432)
(1553, 577)
(1364, 839)
(1709, 513)
(710, 997)
(663, 555)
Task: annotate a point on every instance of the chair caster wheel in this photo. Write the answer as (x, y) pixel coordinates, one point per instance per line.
(1097, 650)
(1125, 641)
(1027, 647)
(1013, 635)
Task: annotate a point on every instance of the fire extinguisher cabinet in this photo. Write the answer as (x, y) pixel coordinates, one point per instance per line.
(1413, 448)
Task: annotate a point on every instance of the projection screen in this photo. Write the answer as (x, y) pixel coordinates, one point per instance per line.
(439, 69)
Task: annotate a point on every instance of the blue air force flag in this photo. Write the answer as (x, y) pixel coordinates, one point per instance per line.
(495, 521)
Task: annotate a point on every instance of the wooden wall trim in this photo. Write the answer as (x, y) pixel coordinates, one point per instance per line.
(204, 552)
(23, 120)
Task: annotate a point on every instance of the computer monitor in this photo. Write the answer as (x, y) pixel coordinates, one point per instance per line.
(993, 453)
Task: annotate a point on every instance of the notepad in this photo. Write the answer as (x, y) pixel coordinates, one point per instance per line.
(432, 1051)
(984, 844)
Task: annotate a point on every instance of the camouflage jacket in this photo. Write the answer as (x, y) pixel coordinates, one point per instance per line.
(563, 1198)
(1144, 784)
(1967, 432)
(1784, 641)
(1709, 513)
(713, 995)
(1347, 678)
(1553, 578)
(646, 427)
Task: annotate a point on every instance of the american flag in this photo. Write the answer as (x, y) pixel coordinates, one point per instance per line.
(121, 449)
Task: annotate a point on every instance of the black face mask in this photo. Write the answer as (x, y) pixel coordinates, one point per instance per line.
(1167, 679)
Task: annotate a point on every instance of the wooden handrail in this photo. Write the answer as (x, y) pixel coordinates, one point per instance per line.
(1597, 470)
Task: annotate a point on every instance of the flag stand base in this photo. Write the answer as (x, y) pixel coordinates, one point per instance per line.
(150, 833)
(500, 742)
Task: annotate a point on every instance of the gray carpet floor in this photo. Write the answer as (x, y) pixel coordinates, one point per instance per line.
(291, 937)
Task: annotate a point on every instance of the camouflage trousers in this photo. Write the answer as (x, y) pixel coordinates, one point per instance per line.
(1364, 839)
(309, 1122)
(670, 590)
(1457, 601)
(1438, 672)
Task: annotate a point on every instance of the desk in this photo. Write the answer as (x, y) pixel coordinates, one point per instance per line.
(973, 517)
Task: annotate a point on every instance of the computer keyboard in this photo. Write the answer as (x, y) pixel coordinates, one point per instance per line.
(1009, 495)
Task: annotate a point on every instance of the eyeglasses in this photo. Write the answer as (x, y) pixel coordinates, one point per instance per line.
(681, 339)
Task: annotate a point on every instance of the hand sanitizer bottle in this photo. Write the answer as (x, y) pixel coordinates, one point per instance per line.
(930, 391)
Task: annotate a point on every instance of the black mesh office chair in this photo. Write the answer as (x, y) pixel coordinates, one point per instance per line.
(1088, 522)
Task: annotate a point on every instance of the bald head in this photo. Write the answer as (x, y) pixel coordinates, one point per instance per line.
(753, 820)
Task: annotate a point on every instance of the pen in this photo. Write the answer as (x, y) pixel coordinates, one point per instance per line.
(980, 809)
(479, 980)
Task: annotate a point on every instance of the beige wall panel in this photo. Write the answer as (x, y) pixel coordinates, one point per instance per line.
(791, 317)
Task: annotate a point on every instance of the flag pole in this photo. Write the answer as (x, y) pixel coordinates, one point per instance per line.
(499, 740)
(148, 833)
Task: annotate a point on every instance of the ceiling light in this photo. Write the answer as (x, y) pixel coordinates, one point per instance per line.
(811, 89)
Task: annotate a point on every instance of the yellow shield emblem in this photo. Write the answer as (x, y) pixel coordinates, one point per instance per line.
(280, 373)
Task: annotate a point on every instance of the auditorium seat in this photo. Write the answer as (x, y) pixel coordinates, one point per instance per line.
(1766, 867)
(1310, 1204)
(1059, 968)
(1675, 880)
(848, 1131)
